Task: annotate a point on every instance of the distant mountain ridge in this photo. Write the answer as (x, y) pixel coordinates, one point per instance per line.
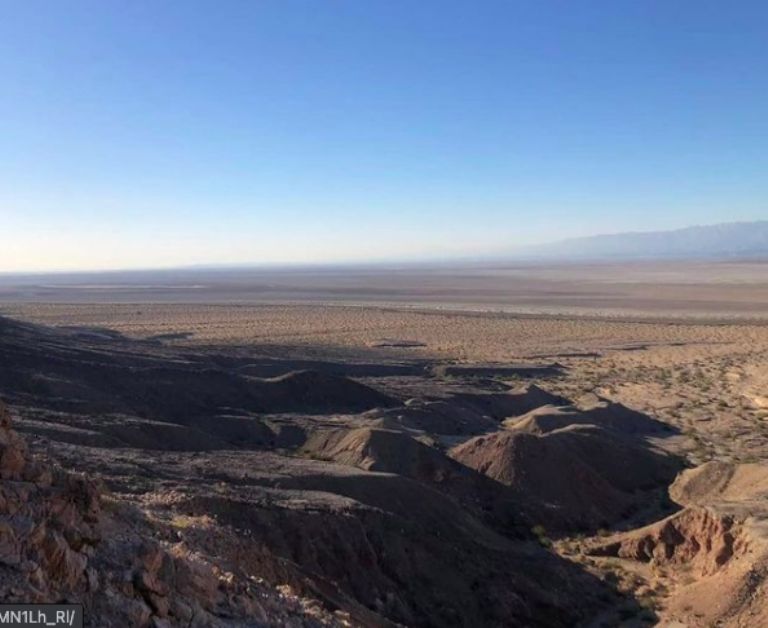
(727, 240)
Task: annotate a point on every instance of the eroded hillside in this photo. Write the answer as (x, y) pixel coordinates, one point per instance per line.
(363, 488)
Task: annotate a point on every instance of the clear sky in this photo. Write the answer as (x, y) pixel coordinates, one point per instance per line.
(144, 133)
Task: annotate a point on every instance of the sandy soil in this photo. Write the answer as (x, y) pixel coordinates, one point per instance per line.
(730, 289)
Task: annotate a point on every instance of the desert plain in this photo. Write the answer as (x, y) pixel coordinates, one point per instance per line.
(546, 445)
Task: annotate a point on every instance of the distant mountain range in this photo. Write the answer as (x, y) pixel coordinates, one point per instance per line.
(728, 240)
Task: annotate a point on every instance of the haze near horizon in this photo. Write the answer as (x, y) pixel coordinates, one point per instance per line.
(141, 135)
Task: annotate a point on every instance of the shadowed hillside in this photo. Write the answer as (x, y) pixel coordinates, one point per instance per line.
(305, 478)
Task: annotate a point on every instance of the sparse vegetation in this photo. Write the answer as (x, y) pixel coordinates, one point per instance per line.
(699, 379)
(541, 536)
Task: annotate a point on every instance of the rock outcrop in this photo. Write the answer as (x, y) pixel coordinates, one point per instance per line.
(714, 552)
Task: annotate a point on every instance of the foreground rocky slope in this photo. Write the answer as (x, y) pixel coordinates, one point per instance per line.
(62, 540)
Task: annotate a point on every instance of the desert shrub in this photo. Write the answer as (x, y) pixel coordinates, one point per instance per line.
(540, 532)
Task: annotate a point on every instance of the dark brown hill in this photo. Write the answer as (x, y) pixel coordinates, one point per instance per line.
(582, 476)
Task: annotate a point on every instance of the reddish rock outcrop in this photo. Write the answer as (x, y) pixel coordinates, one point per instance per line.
(699, 537)
(714, 552)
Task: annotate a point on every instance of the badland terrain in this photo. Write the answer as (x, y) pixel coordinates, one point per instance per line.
(553, 446)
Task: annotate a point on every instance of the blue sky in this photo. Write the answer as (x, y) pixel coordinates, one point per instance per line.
(158, 133)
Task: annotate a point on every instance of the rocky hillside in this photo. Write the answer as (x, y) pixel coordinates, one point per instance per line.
(61, 538)
(236, 488)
